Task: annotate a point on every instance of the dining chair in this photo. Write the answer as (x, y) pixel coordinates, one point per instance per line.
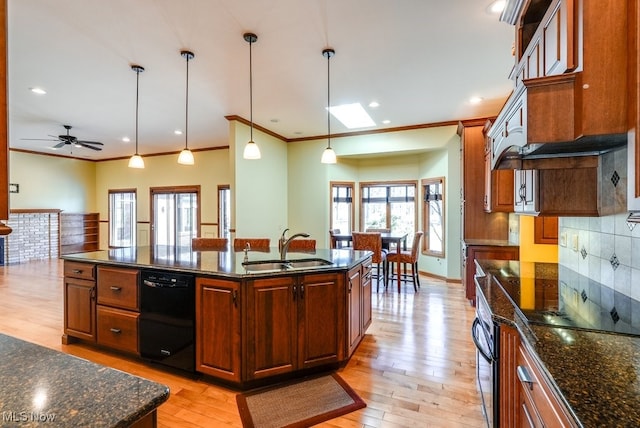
(260, 244)
(209, 243)
(302, 245)
(404, 258)
(372, 241)
(385, 246)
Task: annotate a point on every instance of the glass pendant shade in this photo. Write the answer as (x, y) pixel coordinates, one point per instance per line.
(186, 157)
(136, 161)
(251, 151)
(328, 156)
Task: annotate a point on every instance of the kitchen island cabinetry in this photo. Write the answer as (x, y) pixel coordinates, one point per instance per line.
(79, 302)
(218, 334)
(293, 323)
(118, 308)
(358, 304)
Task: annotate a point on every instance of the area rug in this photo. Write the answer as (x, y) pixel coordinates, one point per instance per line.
(299, 404)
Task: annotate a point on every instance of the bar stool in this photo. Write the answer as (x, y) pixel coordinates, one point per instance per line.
(407, 258)
(209, 243)
(303, 245)
(372, 241)
(259, 244)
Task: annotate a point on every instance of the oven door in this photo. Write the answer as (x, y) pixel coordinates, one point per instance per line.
(485, 366)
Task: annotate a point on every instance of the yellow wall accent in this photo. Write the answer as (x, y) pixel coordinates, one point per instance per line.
(531, 252)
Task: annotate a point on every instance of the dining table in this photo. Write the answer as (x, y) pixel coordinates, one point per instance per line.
(396, 239)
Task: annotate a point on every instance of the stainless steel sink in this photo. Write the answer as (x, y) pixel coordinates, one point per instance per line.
(285, 265)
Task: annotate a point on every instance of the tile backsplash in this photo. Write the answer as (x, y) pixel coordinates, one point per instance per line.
(605, 249)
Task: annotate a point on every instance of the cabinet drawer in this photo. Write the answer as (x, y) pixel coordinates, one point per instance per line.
(118, 287)
(118, 329)
(543, 406)
(80, 270)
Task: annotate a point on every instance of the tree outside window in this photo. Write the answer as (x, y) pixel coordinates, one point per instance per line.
(389, 205)
(433, 216)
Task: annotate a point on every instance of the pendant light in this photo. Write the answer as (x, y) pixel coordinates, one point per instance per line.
(251, 150)
(186, 157)
(328, 156)
(136, 160)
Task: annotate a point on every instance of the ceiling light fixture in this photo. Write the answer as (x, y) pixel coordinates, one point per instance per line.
(497, 6)
(186, 157)
(136, 160)
(38, 91)
(251, 150)
(328, 156)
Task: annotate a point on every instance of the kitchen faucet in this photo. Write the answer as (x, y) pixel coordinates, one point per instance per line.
(283, 244)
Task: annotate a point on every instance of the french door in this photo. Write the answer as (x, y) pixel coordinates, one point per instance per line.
(175, 215)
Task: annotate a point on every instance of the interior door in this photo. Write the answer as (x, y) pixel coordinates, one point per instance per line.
(175, 216)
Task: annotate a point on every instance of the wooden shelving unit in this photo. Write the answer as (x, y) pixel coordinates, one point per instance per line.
(79, 232)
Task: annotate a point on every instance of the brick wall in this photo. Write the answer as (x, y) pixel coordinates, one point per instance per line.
(35, 236)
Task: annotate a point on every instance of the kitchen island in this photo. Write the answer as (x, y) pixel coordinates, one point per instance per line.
(257, 319)
(589, 366)
(44, 387)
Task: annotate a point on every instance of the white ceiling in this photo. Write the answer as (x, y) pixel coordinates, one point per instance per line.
(420, 59)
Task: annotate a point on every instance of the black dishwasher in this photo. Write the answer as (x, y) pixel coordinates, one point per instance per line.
(167, 318)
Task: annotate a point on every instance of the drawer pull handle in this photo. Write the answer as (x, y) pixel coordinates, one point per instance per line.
(114, 288)
(524, 376)
(115, 330)
(77, 271)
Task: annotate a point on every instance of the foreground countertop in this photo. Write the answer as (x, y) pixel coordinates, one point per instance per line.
(595, 374)
(221, 263)
(43, 387)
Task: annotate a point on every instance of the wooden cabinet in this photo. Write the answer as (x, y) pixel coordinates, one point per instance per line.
(498, 184)
(79, 302)
(358, 304)
(293, 323)
(471, 253)
(633, 155)
(536, 403)
(508, 385)
(79, 232)
(118, 308)
(218, 334)
(545, 230)
(476, 223)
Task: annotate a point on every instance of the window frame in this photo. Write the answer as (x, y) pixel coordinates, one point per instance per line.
(134, 226)
(349, 185)
(426, 216)
(400, 183)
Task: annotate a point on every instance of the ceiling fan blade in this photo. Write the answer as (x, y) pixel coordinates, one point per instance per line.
(60, 144)
(89, 142)
(87, 146)
(39, 139)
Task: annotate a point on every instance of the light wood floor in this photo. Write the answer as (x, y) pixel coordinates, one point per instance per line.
(415, 368)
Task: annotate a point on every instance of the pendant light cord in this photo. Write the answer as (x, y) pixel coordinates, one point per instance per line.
(328, 100)
(137, 95)
(186, 107)
(250, 91)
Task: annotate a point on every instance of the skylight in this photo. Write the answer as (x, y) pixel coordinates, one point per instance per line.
(352, 115)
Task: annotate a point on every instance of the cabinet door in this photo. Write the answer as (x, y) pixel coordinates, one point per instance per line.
(526, 191)
(80, 308)
(218, 328)
(271, 333)
(545, 230)
(366, 295)
(320, 315)
(354, 316)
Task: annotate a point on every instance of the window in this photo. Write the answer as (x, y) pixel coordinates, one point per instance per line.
(342, 207)
(175, 215)
(122, 218)
(389, 206)
(224, 211)
(433, 216)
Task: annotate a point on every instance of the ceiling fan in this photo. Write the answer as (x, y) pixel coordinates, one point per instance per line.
(65, 139)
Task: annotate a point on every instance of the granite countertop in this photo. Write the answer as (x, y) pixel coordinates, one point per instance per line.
(43, 387)
(594, 373)
(220, 263)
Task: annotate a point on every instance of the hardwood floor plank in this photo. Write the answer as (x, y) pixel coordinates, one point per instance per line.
(414, 368)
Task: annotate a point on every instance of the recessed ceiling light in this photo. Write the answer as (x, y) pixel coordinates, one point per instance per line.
(126, 139)
(475, 100)
(275, 120)
(497, 6)
(178, 132)
(38, 91)
(374, 104)
(352, 115)
(386, 121)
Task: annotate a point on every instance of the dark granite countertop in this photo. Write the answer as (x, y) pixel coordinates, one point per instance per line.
(219, 263)
(594, 373)
(43, 387)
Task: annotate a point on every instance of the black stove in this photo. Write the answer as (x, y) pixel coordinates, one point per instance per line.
(554, 295)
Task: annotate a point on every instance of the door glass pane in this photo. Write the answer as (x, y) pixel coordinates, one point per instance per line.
(186, 212)
(122, 219)
(175, 218)
(224, 215)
